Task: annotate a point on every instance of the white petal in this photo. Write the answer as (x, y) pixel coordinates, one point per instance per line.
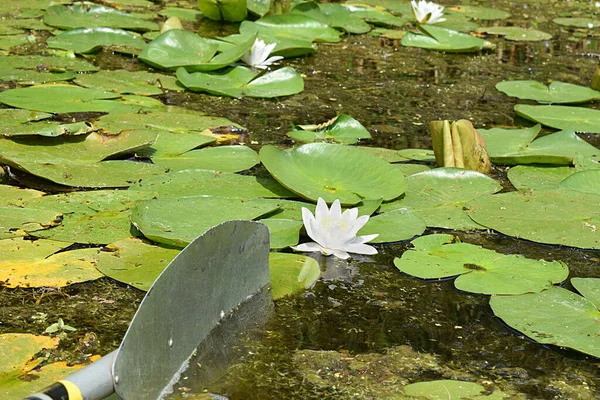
(308, 219)
(367, 238)
(335, 213)
(321, 212)
(308, 246)
(341, 254)
(361, 249)
(271, 60)
(359, 223)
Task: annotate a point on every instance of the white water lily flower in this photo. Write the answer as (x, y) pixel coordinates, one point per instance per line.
(427, 12)
(335, 232)
(258, 55)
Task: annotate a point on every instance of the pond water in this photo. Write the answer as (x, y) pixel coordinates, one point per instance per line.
(365, 329)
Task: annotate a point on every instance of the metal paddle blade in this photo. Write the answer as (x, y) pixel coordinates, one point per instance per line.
(217, 271)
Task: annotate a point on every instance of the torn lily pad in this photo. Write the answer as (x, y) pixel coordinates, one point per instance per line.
(479, 270)
(16, 221)
(23, 123)
(244, 82)
(341, 129)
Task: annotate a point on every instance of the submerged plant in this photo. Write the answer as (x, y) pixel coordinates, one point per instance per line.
(334, 232)
(427, 12)
(258, 55)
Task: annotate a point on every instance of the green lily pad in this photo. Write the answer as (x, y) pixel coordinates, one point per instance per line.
(336, 16)
(59, 99)
(23, 123)
(578, 119)
(134, 262)
(8, 42)
(577, 22)
(447, 389)
(584, 163)
(341, 129)
(481, 270)
(291, 273)
(89, 40)
(557, 92)
(223, 10)
(15, 196)
(482, 13)
(538, 177)
(578, 316)
(456, 21)
(121, 81)
(171, 144)
(283, 232)
(15, 221)
(243, 82)
(286, 45)
(569, 217)
(588, 288)
(96, 217)
(184, 14)
(333, 172)
(393, 226)
(89, 15)
(516, 33)
(179, 48)
(516, 146)
(389, 155)
(28, 77)
(211, 183)
(46, 63)
(297, 26)
(584, 181)
(418, 154)
(220, 158)
(442, 39)
(176, 222)
(438, 196)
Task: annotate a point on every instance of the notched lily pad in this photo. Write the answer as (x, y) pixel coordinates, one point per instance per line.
(16, 221)
(557, 92)
(481, 270)
(341, 129)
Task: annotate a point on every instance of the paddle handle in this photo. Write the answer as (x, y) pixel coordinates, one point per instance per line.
(94, 382)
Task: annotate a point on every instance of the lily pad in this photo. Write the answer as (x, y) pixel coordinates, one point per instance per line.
(516, 146)
(90, 15)
(121, 81)
(291, 273)
(220, 158)
(438, 196)
(578, 119)
(16, 221)
(578, 316)
(96, 217)
(224, 10)
(481, 270)
(557, 92)
(577, 22)
(15, 196)
(243, 82)
(337, 16)
(180, 48)
(46, 63)
(333, 172)
(17, 350)
(389, 155)
(171, 144)
(22, 123)
(441, 39)
(297, 26)
(393, 226)
(211, 183)
(569, 217)
(286, 45)
(134, 262)
(56, 270)
(447, 389)
(176, 222)
(283, 232)
(341, 129)
(516, 33)
(89, 40)
(584, 181)
(538, 177)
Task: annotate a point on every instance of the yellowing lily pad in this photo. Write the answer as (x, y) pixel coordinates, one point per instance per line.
(17, 349)
(333, 172)
(480, 270)
(16, 221)
(176, 222)
(134, 262)
(15, 196)
(291, 273)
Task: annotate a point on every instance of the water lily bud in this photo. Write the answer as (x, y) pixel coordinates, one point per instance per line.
(171, 23)
(459, 145)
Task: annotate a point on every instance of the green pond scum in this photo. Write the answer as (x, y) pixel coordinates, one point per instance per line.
(364, 329)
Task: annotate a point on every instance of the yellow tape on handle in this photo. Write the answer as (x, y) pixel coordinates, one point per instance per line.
(73, 391)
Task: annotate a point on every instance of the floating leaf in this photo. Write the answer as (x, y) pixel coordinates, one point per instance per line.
(336, 16)
(538, 177)
(562, 117)
(569, 217)
(516, 33)
(447, 389)
(583, 181)
(220, 158)
(22, 122)
(557, 92)
(170, 144)
(134, 262)
(341, 129)
(26, 221)
(287, 46)
(577, 22)
(333, 172)
(578, 316)
(481, 270)
(389, 155)
(393, 226)
(283, 232)
(89, 15)
(97, 217)
(178, 221)
(15, 196)
(438, 196)
(89, 40)
(121, 81)
(441, 39)
(211, 183)
(17, 349)
(223, 10)
(291, 273)
(243, 82)
(303, 27)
